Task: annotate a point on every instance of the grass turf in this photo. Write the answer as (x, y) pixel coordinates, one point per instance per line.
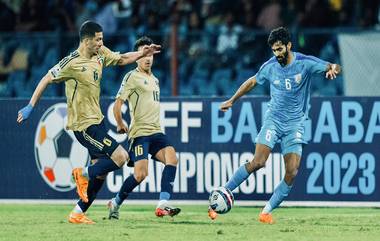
(49, 222)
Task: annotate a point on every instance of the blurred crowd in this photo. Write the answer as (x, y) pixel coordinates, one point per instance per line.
(221, 42)
(148, 15)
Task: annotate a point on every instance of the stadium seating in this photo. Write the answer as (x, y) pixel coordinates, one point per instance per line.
(203, 72)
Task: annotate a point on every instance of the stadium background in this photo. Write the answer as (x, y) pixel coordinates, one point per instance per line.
(209, 48)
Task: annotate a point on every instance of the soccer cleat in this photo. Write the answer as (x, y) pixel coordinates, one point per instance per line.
(167, 211)
(113, 210)
(82, 184)
(266, 218)
(79, 218)
(212, 214)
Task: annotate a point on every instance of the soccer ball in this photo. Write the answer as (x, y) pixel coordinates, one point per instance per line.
(221, 200)
(56, 149)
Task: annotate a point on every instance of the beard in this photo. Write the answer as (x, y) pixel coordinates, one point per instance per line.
(283, 60)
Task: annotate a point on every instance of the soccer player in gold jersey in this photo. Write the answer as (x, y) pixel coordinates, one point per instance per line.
(141, 89)
(81, 71)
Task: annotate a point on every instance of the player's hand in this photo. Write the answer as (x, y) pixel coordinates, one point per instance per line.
(151, 49)
(122, 129)
(332, 72)
(24, 113)
(225, 105)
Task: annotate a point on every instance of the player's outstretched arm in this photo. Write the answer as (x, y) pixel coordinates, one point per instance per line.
(24, 113)
(243, 89)
(333, 70)
(131, 57)
(121, 128)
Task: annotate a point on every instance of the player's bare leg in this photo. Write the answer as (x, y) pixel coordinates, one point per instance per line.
(292, 162)
(262, 153)
(168, 157)
(140, 172)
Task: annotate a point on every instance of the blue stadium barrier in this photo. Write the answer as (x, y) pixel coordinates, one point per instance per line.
(341, 162)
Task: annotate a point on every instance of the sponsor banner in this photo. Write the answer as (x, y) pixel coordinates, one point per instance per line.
(340, 163)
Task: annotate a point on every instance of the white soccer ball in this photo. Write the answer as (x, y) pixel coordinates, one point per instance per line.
(221, 200)
(57, 151)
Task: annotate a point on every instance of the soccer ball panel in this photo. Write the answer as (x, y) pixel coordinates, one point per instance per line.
(53, 124)
(69, 132)
(46, 153)
(42, 135)
(78, 155)
(221, 200)
(62, 173)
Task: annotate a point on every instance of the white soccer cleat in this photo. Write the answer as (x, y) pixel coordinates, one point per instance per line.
(113, 209)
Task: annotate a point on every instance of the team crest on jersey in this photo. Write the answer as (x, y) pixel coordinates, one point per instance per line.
(298, 78)
(100, 60)
(276, 82)
(145, 82)
(83, 69)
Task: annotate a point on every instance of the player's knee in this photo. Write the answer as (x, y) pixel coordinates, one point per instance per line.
(124, 157)
(172, 161)
(259, 161)
(120, 156)
(141, 175)
(292, 173)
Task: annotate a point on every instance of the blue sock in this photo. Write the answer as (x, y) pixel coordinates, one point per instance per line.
(279, 194)
(239, 176)
(101, 167)
(94, 186)
(129, 184)
(167, 182)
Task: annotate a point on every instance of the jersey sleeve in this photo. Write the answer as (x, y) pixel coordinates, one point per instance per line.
(110, 57)
(127, 86)
(316, 65)
(61, 71)
(263, 73)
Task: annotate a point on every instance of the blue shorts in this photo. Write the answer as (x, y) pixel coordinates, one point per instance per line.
(97, 141)
(141, 146)
(292, 139)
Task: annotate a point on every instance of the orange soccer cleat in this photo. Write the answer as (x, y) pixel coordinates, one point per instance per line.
(266, 218)
(79, 218)
(82, 184)
(167, 211)
(212, 214)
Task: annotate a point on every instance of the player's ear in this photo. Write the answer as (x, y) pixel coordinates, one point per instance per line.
(289, 45)
(86, 41)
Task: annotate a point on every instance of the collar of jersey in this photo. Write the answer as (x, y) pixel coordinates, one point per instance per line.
(291, 63)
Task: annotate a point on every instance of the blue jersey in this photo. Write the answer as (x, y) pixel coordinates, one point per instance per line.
(290, 86)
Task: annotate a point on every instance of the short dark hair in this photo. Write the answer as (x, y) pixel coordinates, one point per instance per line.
(279, 34)
(88, 30)
(142, 41)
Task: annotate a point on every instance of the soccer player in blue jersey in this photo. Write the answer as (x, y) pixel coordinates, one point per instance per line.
(289, 74)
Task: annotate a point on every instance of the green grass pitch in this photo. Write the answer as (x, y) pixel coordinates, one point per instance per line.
(49, 222)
